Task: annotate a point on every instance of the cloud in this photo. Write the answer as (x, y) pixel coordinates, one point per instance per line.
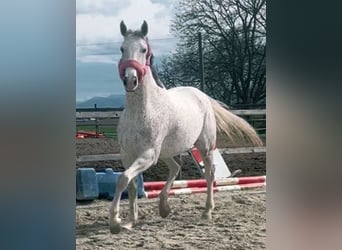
(103, 7)
(98, 40)
(97, 24)
(110, 53)
(98, 53)
(97, 59)
(93, 24)
(162, 47)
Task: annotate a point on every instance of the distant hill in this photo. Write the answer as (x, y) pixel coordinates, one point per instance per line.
(112, 101)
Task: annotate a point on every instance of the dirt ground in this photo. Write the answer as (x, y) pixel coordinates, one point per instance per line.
(251, 164)
(239, 218)
(238, 223)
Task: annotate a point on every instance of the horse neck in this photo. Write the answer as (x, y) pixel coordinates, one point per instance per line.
(147, 93)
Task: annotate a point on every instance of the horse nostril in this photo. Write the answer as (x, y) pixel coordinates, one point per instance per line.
(125, 81)
(135, 80)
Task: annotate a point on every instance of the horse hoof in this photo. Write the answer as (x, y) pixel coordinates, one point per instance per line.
(206, 216)
(114, 225)
(164, 211)
(115, 229)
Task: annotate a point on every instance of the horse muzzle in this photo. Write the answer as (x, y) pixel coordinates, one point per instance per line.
(132, 73)
(130, 83)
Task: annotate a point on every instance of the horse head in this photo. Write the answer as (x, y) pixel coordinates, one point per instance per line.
(136, 54)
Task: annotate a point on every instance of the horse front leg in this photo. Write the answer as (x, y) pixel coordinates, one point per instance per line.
(142, 163)
(164, 208)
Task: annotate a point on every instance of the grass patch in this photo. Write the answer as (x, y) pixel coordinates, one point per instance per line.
(107, 131)
(111, 132)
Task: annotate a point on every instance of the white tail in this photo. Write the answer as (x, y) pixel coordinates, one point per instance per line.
(232, 125)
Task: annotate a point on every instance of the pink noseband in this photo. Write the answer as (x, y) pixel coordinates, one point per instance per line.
(141, 69)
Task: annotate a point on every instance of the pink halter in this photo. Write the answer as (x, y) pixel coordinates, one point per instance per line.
(141, 69)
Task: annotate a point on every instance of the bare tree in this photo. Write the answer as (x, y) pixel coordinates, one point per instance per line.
(234, 42)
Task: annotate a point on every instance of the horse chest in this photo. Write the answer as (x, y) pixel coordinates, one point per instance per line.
(138, 133)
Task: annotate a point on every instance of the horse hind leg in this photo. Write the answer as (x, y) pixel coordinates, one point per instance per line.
(164, 208)
(205, 144)
(210, 176)
(133, 206)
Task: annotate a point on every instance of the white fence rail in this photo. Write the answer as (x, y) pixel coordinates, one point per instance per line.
(116, 113)
(110, 118)
(115, 157)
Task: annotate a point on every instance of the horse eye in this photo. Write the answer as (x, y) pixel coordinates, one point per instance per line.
(143, 50)
(122, 50)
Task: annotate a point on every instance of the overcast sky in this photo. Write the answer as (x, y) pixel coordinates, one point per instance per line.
(98, 40)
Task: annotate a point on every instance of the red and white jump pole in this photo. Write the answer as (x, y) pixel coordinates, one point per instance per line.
(193, 190)
(158, 185)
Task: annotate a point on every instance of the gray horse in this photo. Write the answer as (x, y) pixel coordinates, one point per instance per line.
(162, 123)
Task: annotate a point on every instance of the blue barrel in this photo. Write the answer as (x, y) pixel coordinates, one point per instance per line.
(107, 181)
(141, 189)
(86, 184)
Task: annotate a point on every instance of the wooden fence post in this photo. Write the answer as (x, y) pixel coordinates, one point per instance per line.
(96, 124)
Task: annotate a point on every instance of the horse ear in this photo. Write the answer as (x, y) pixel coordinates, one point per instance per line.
(123, 28)
(144, 28)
